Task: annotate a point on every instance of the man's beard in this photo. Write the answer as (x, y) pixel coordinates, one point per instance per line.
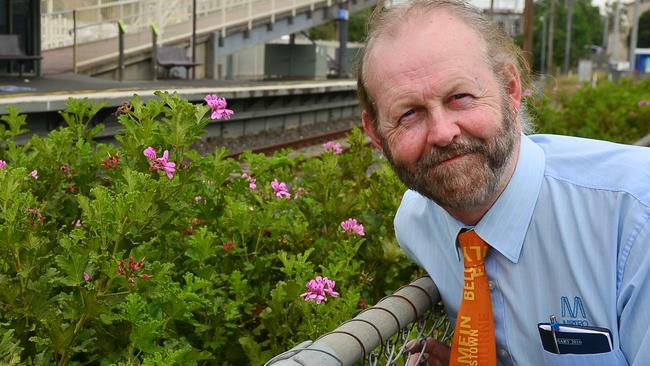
(472, 180)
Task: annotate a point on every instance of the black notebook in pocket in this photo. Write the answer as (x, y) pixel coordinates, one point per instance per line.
(576, 340)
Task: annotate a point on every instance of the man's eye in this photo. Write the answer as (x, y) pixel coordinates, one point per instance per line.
(460, 96)
(460, 100)
(408, 113)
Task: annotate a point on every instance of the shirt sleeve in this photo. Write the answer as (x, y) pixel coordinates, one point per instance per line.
(633, 302)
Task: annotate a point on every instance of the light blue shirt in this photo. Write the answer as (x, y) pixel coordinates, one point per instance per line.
(570, 236)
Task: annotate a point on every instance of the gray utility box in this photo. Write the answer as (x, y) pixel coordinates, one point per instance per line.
(297, 60)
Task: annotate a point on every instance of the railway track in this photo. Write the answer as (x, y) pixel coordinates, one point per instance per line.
(299, 143)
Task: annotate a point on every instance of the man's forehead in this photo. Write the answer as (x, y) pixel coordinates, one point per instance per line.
(434, 37)
(439, 25)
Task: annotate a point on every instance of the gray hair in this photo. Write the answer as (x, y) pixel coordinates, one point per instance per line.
(501, 50)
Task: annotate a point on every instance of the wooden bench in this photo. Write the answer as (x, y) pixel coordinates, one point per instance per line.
(168, 57)
(12, 50)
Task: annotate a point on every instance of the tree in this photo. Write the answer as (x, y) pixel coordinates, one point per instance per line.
(587, 30)
(357, 29)
(643, 41)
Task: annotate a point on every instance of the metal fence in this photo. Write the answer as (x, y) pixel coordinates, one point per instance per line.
(97, 19)
(379, 334)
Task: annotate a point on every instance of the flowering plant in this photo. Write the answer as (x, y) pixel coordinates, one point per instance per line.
(150, 253)
(613, 111)
(318, 289)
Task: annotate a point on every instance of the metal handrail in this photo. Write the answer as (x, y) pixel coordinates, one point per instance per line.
(61, 21)
(256, 16)
(388, 325)
(93, 7)
(57, 24)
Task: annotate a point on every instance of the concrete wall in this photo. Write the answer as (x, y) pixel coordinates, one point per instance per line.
(295, 60)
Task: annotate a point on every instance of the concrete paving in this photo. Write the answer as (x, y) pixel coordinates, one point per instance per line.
(77, 83)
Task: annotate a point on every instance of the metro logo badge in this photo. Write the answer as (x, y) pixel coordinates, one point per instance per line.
(573, 314)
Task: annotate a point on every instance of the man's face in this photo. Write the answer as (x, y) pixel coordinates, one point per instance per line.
(445, 123)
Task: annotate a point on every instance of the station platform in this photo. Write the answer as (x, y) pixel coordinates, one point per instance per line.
(50, 93)
(259, 106)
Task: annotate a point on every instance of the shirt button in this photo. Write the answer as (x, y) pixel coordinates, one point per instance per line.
(503, 354)
(491, 285)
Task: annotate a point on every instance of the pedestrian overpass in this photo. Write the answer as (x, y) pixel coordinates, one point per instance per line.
(86, 39)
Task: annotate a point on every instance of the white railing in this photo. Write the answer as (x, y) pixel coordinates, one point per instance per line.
(379, 334)
(98, 21)
(94, 22)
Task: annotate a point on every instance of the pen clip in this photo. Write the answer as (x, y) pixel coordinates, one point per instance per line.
(554, 324)
(555, 327)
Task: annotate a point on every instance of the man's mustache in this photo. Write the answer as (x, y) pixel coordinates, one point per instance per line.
(437, 155)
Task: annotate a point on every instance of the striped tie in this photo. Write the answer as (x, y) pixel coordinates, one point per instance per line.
(474, 343)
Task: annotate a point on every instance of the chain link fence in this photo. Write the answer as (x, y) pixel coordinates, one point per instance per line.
(379, 334)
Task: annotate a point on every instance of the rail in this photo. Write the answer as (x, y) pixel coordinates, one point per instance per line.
(297, 144)
(98, 21)
(378, 334)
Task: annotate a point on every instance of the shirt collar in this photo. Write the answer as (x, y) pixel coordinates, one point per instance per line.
(504, 226)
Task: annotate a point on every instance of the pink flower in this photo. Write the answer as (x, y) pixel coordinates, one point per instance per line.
(252, 182)
(299, 192)
(318, 289)
(37, 214)
(280, 189)
(197, 198)
(34, 174)
(527, 93)
(77, 223)
(3, 164)
(65, 168)
(136, 265)
(351, 226)
(150, 153)
(161, 163)
(333, 147)
(218, 105)
(87, 277)
(644, 103)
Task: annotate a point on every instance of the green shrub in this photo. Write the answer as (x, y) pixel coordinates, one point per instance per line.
(106, 260)
(613, 111)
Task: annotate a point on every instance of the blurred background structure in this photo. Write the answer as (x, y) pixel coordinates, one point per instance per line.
(222, 38)
(261, 39)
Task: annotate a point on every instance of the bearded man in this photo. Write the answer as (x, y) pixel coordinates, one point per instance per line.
(564, 221)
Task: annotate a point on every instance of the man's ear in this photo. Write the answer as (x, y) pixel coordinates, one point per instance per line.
(513, 86)
(367, 123)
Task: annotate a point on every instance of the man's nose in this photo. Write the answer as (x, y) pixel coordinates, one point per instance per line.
(442, 128)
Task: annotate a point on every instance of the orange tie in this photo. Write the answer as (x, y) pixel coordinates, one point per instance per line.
(474, 343)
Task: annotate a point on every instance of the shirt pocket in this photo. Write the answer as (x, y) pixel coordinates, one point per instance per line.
(613, 358)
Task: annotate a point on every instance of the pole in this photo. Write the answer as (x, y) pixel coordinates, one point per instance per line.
(120, 59)
(193, 38)
(606, 29)
(529, 19)
(491, 9)
(551, 30)
(567, 43)
(154, 51)
(542, 57)
(74, 41)
(634, 36)
(342, 18)
(617, 20)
